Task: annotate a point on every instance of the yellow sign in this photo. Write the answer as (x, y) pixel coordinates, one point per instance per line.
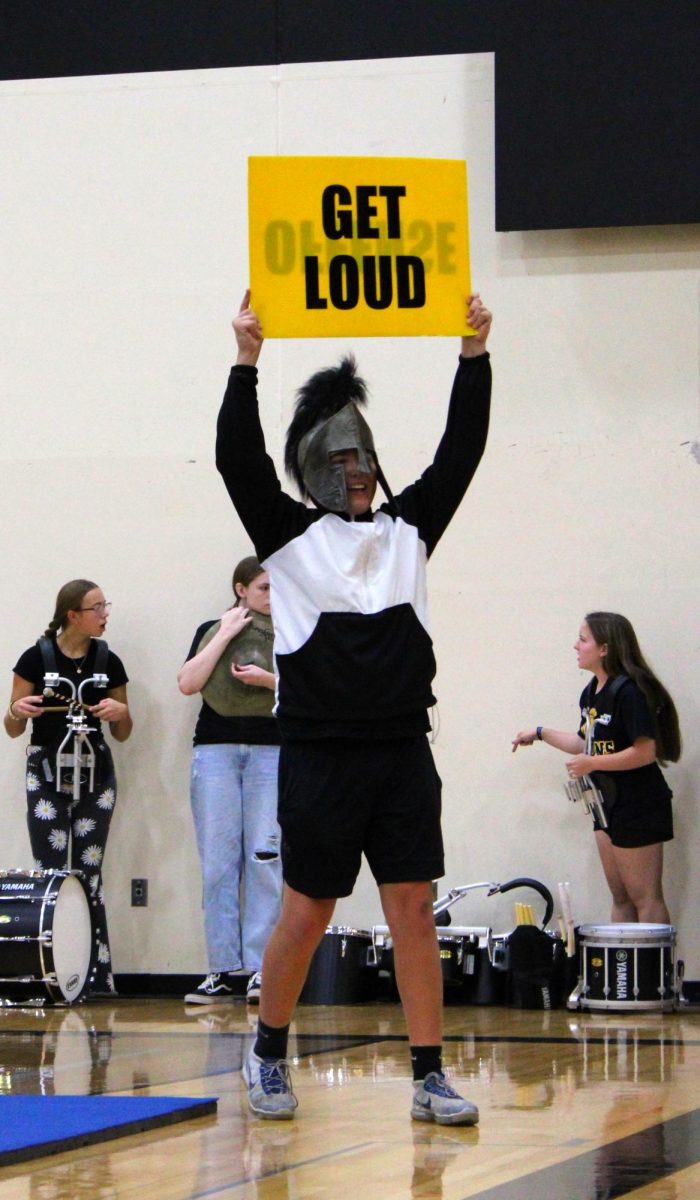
(358, 247)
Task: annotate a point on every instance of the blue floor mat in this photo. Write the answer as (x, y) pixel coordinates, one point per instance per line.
(31, 1126)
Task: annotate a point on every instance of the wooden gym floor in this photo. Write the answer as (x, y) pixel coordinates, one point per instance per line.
(574, 1106)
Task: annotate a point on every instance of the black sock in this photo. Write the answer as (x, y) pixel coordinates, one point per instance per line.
(270, 1042)
(425, 1059)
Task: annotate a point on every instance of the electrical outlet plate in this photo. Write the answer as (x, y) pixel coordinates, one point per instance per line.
(139, 893)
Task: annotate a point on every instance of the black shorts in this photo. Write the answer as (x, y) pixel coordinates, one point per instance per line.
(341, 798)
(642, 822)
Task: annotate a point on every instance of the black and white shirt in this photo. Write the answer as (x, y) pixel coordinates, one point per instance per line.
(354, 657)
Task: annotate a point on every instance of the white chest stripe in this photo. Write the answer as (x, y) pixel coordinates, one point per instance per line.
(345, 567)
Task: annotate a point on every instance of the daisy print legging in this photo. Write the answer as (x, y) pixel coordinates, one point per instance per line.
(66, 833)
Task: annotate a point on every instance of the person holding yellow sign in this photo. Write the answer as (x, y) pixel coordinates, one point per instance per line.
(355, 664)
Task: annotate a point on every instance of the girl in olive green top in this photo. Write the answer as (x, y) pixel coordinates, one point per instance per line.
(234, 784)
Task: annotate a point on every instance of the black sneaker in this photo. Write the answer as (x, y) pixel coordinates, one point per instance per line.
(252, 993)
(215, 989)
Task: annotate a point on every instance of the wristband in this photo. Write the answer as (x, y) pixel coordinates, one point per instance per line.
(538, 733)
(12, 714)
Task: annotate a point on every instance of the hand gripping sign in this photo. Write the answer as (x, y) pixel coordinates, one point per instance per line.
(358, 247)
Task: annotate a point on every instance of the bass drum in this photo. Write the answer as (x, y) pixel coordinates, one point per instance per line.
(47, 943)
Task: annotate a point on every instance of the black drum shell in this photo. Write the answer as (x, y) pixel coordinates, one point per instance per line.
(27, 905)
(341, 970)
(635, 963)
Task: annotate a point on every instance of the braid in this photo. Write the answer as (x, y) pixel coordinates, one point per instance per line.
(69, 597)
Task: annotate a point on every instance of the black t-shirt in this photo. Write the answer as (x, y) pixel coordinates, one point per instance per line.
(52, 726)
(214, 729)
(619, 721)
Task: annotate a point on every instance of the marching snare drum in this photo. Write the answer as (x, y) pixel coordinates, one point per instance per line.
(342, 969)
(627, 966)
(47, 944)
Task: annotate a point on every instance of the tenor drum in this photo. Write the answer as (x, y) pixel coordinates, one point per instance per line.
(47, 945)
(627, 966)
(342, 969)
(464, 956)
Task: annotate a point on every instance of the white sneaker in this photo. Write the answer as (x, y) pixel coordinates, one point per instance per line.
(269, 1086)
(252, 993)
(215, 989)
(435, 1100)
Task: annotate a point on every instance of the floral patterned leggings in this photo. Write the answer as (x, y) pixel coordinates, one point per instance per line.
(54, 820)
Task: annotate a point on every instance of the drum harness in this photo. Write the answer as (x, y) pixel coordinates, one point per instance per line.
(585, 788)
(75, 752)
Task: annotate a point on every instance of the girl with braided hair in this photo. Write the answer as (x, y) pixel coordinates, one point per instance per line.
(67, 833)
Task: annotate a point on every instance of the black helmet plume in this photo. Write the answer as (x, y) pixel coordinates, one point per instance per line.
(323, 395)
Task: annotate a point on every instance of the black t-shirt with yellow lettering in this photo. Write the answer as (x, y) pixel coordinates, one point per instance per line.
(619, 721)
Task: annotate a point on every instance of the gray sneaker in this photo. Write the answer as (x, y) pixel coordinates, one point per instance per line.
(435, 1100)
(269, 1086)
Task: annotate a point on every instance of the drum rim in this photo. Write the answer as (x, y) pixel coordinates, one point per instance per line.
(630, 931)
(348, 931)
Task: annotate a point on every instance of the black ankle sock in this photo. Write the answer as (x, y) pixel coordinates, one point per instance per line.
(425, 1059)
(271, 1042)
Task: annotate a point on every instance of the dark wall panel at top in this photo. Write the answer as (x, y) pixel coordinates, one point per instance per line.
(598, 115)
(318, 30)
(51, 38)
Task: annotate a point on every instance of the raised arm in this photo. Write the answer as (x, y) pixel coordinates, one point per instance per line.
(269, 516)
(478, 318)
(249, 334)
(194, 673)
(431, 502)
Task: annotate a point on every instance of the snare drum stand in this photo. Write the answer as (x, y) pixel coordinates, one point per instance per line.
(82, 753)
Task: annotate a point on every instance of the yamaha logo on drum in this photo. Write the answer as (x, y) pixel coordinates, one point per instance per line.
(621, 977)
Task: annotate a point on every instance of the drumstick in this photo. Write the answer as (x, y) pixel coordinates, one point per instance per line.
(565, 898)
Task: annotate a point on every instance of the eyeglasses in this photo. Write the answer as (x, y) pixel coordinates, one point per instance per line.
(103, 607)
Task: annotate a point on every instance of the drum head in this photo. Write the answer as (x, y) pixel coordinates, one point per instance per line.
(72, 938)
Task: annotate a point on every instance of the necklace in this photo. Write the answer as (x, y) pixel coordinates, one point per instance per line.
(78, 664)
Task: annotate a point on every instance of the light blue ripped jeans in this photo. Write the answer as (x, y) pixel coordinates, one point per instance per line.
(234, 803)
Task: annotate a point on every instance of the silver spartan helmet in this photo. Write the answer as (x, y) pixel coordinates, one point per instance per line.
(345, 430)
